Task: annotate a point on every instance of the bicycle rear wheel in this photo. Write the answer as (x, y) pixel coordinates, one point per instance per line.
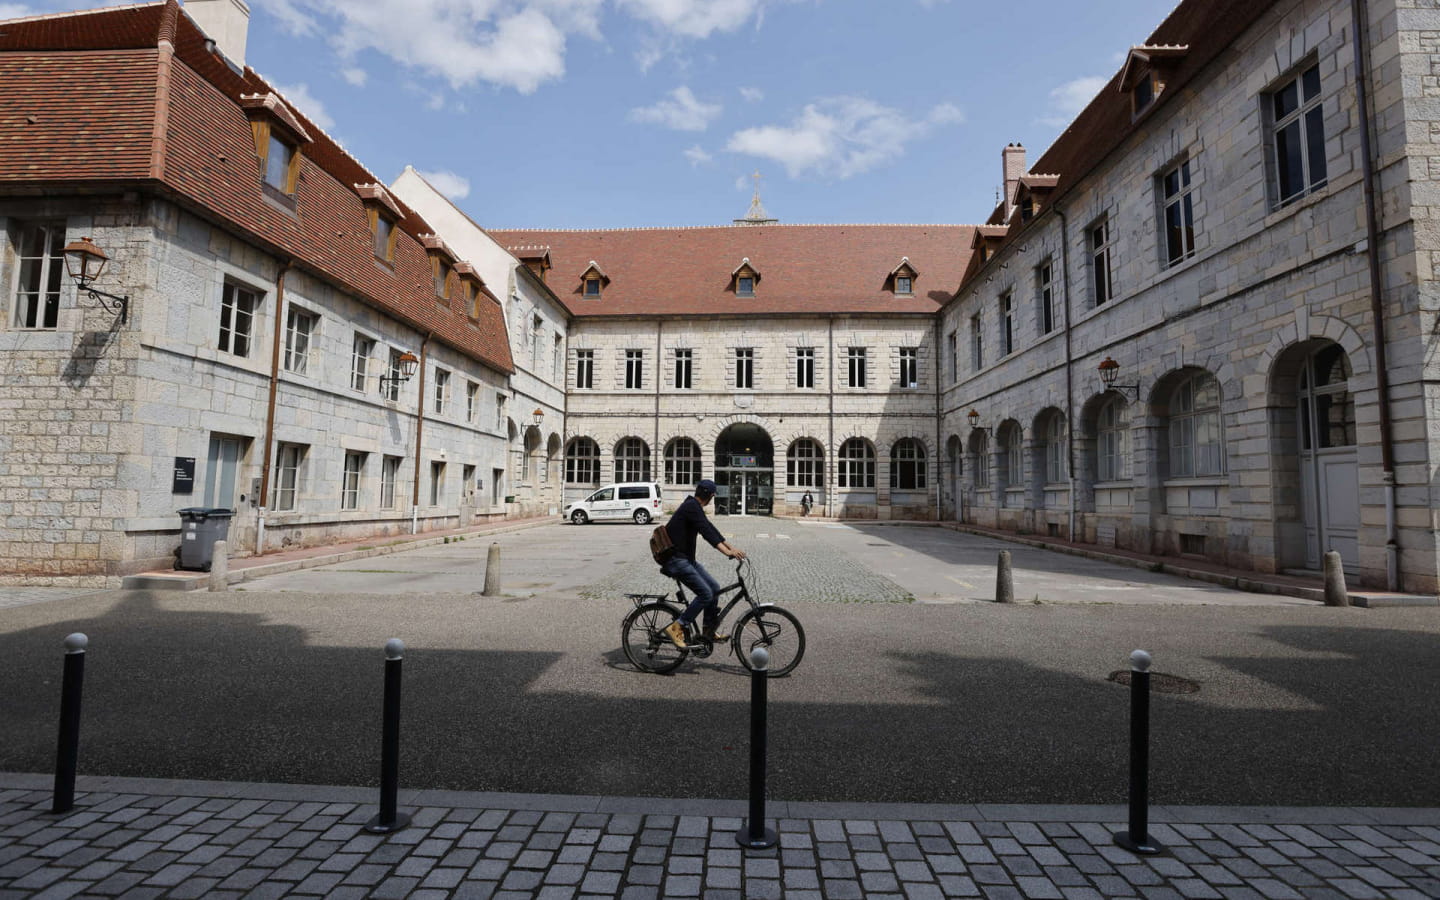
(642, 634)
(777, 631)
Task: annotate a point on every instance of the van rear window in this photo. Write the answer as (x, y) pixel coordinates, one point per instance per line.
(634, 493)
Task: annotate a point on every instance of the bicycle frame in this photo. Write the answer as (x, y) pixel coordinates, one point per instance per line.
(743, 594)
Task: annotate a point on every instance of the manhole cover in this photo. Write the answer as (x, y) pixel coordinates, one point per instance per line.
(1160, 683)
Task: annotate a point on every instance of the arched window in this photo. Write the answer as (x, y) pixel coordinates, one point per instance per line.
(632, 460)
(1113, 440)
(857, 464)
(1197, 446)
(804, 464)
(907, 465)
(1052, 451)
(1327, 409)
(980, 459)
(1012, 466)
(682, 462)
(532, 444)
(582, 462)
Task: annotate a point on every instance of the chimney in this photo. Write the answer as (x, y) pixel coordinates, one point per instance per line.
(1014, 163)
(226, 22)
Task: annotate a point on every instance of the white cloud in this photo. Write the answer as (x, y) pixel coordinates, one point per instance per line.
(698, 156)
(839, 137)
(299, 96)
(680, 111)
(693, 18)
(752, 94)
(355, 75)
(14, 11)
(1067, 100)
(456, 187)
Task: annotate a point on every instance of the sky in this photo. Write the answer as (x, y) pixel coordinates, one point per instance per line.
(642, 113)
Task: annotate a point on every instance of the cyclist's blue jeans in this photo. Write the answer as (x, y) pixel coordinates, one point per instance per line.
(694, 576)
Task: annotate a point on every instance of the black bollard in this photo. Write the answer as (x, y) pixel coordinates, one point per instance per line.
(754, 835)
(1137, 839)
(67, 749)
(390, 819)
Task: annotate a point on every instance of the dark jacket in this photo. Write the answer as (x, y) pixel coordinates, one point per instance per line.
(688, 521)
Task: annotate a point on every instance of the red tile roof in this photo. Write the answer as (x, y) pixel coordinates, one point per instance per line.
(101, 130)
(804, 269)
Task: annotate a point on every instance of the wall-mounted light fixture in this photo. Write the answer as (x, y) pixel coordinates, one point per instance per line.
(1109, 371)
(537, 417)
(974, 418)
(85, 261)
(406, 363)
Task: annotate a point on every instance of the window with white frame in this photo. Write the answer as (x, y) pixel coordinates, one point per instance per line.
(42, 268)
(977, 344)
(909, 367)
(238, 306)
(557, 359)
(389, 476)
(584, 369)
(1297, 137)
(500, 413)
(1102, 278)
(1045, 292)
(684, 371)
(980, 459)
(632, 460)
(855, 367)
(744, 368)
(360, 352)
(682, 462)
(804, 367)
(907, 465)
(537, 332)
(472, 401)
(954, 357)
(634, 370)
(1197, 447)
(856, 464)
(1053, 436)
(1007, 323)
(350, 482)
(390, 385)
(804, 464)
(1012, 463)
(1177, 213)
(442, 391)
(1113, 440)
(582, 462)
(299, 334)
(287, 475)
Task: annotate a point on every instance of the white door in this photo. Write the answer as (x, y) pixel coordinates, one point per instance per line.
(1329, 468)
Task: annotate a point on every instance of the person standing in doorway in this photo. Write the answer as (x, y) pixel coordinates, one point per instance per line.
(806, 502)
(689, 522)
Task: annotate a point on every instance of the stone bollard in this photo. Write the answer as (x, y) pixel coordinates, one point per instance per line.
(1335, 592)
(219, 567)
(492, 572)
(1004, 581)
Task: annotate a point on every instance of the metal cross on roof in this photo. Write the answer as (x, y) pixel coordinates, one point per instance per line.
(757, 214)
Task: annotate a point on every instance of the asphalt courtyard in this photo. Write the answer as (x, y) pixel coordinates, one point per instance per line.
(944, 702)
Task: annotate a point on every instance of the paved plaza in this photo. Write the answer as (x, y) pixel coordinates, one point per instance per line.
(138, 838)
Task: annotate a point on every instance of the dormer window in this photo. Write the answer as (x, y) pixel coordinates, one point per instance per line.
(383, 214)
(592, 281)
(984, 253)
(278, 137)
(472, 287)
(1146, 71)
(1143, 94)
(442, 263)
(744, 279)
(902, 278)
(442, 280)
(384, 239)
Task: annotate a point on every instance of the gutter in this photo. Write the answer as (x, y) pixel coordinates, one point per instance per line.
(285, 268)
(419, 433)
(1069, 367)
(939, 470)
(1359, 13)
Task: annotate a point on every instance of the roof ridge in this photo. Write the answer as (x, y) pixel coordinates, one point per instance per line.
(739, 227)
(84, 12)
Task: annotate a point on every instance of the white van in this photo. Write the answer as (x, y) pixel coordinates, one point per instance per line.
(638, 501)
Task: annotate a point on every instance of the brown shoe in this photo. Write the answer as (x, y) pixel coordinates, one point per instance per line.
(676, 633)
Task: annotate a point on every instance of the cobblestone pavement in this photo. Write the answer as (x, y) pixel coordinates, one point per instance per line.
(190, 839)
(791, 563)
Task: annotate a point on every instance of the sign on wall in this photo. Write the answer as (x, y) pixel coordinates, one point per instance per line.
(184, 475)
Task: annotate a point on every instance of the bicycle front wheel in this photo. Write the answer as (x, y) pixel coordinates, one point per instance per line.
(642, 634)
(777, 631)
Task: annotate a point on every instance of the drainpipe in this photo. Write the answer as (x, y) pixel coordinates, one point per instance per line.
(1069, 373)
(657, 453)
(419, 431)
(285, 267)
(939, 472)
(1359, 14)
(830, 390)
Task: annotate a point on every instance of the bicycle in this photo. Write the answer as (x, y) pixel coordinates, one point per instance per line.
(649, 649)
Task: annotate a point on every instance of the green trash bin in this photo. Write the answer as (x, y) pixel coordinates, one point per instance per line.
(200, 528)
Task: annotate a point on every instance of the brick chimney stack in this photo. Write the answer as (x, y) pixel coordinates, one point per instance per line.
(226, 22)
(1013, 157)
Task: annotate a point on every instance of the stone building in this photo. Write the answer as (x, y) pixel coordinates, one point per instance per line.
(1236, 231)
(276, 294)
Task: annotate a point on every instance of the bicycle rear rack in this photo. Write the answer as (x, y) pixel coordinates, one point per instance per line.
(640, 600)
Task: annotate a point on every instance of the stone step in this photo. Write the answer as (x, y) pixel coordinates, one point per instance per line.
(165, 581)
(1378, 599)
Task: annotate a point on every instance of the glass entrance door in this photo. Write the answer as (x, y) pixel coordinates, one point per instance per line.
(744, 493)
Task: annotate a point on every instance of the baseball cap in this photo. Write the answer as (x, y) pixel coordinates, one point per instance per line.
(706, 488)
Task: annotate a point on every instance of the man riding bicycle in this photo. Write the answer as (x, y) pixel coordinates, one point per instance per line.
(688, 521)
